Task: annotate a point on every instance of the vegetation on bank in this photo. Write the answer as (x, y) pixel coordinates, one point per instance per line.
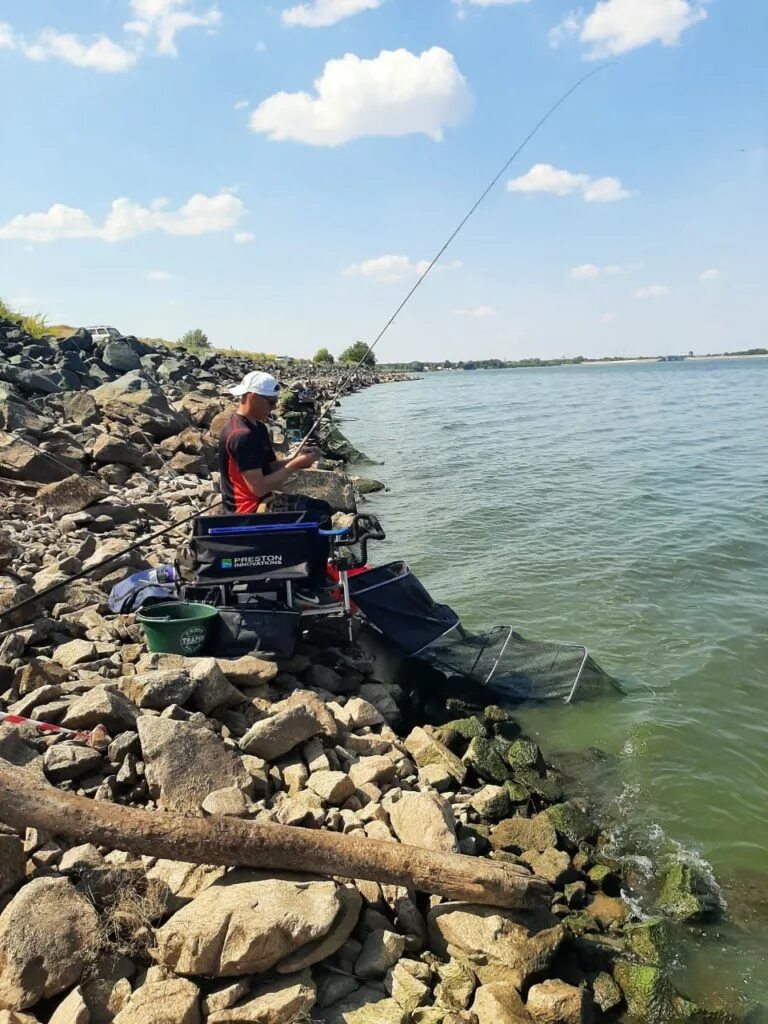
(197, 342)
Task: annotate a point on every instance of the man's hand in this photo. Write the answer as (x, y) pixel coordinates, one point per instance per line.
(305, 459)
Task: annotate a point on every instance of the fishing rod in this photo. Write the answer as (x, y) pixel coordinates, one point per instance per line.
(489, 188)
(369, 349)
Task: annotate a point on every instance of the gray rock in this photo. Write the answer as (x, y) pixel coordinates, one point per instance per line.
(424, 819)
(334, 788)
(239, 927)
(76, 652)
(73, 494)
(212, 688)
(46, 933)
(275, 1002)
(72, 1010)
(65, 762)
(500, 945)
(279, 734)
(158, 690)
(12, 863)
(120, 355)
(230, 802)
(185, 763)
(162, 1002)
(101, 706)
(381, 950)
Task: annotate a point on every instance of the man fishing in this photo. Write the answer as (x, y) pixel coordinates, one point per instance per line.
(249, 469)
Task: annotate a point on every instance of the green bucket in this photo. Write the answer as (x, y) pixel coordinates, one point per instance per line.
(177, 627)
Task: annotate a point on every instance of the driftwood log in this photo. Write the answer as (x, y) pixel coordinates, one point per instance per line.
(25, 801)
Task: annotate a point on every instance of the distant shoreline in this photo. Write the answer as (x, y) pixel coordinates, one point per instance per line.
(656, 359)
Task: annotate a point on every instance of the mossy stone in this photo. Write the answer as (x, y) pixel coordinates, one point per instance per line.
(486, 757)
(547, 787)
(572, 824)
(685, 894)
(517, 792)
(524, 754)
(460, 729)
(646, 990)
(649, 940)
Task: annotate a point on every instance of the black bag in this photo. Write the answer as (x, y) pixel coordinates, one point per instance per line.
(259, 547)
(246, 630)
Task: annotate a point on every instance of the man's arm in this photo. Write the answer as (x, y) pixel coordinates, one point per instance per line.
(262, 484)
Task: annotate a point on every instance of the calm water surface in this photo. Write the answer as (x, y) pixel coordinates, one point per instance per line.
(625, 507)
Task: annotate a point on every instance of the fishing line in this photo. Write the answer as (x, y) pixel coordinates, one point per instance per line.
(494, 181)
(350, 375)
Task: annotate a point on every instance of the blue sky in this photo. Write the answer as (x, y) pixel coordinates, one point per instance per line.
(275, 173)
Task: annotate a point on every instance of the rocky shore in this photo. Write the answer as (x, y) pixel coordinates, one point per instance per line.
(98, 447)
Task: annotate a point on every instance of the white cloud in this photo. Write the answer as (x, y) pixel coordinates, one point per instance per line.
(568, 27)
(159, 21)
(546, 178)
(618, 26)
(159, 275)
(486, 3)
(322, 13)
(101, 55)
(241, 105)
(394, 268)
(478, 313)
(584, 272)
(200, 215)
(614, 269)
(608, 318)
(7, 39)
(710, 275)
(396, 93)
(244, 237)
(653, 291)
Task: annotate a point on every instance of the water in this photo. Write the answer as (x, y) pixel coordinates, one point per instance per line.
(624, 507)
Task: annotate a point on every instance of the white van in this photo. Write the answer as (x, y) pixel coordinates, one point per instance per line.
(103, 333)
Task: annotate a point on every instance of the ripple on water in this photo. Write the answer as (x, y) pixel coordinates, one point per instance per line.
(625, 507)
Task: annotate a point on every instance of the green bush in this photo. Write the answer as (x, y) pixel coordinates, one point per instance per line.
(34, 323)
(322, 356)
(196, 340)
(358, 353)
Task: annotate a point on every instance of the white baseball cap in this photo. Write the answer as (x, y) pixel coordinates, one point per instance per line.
(256, 383)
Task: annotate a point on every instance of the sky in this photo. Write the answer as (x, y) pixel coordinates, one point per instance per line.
(279, 174)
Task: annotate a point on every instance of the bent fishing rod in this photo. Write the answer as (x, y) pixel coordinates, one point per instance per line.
(436, 258)
(369, 349)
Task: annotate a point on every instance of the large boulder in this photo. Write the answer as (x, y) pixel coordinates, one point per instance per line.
(535, 833)
(121, 355)
(277, 1002)
(46, 933)
(335, 488)
(239, 927)
(277, 735)
(424, 819)
(101, 706)
(499, 1003)
(16, 414)
(555, 1002)
(426, 750)
(501, 945)
(137, 398)
(186, 762)
(19, 461)
(73, 494)
(164, 1001)
(686, 894)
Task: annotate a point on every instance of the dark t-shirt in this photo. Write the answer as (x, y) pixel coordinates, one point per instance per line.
(243, 445)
